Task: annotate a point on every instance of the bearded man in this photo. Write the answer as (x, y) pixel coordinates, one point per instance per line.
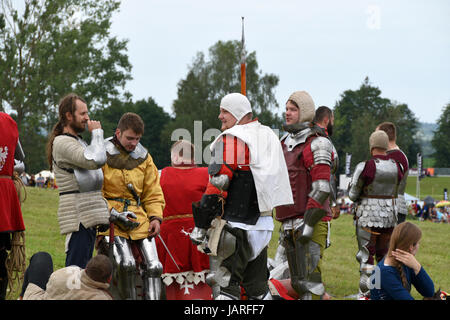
(77, 169)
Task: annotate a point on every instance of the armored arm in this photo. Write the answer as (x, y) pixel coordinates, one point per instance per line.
(210, 206)
(322, 150)
(356, 184)
(96, 151)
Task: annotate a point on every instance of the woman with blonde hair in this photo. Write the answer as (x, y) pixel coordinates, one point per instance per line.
(400, 268)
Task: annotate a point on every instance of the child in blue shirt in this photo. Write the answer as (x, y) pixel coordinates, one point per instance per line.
(399, 269)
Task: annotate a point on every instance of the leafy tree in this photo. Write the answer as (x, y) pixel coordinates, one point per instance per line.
(357, 114)
(441, 141)
(209, 79)
(49, 48)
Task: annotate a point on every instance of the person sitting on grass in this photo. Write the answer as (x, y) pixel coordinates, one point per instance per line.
(69, 283)
(399, 268)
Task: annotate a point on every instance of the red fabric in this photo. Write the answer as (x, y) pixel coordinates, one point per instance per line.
(400, 157)
(10, 212)
(201, 291)
(236, 155)
(181, 187)
(284, 289)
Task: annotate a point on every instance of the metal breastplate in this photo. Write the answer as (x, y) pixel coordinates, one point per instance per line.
(88, 180)
(385, 182)
(300, 181)
(377, 207)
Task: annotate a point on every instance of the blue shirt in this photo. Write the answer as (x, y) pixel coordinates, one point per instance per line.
(388, 284)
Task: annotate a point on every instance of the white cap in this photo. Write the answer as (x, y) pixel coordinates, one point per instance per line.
(237, 104)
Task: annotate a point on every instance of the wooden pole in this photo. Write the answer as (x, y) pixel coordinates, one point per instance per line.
(243, 71)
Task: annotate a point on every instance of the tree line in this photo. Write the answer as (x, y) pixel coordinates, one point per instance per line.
(49, 48)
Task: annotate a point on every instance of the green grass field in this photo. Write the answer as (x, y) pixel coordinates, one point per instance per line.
(429, 186)
(340, 268)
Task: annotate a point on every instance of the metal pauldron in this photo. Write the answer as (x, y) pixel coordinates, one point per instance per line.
(322, 150)
(221, 182)
(96, 151)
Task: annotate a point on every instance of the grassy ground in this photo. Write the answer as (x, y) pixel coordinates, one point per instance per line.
(340, 268)
(429, 186)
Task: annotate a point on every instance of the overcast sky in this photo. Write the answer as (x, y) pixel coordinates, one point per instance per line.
(323, 47)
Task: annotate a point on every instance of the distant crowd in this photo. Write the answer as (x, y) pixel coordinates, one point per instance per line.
(429, 212)
(39, 181)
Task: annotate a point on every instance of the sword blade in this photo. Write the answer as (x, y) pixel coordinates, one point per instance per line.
(167, 249)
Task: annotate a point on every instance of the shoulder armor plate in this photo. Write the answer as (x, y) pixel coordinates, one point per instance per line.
(322, 149)
(123, 160)
(292, 140)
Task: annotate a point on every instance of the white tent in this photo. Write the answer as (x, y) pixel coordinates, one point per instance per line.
(410, 198)
(45, 174)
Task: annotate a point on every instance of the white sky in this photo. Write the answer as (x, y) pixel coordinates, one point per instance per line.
(323, 47)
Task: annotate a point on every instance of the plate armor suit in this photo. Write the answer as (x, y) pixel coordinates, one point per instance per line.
(134, 197)
(305, 149)
(375, 212)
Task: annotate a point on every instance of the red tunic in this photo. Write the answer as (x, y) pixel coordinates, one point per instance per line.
(400, 157)
(181, 187)
(10, 213)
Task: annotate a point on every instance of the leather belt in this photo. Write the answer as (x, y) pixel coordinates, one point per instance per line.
(379, 197)
(126, 202)
(68, 192)
(178, 216)
(6, 177)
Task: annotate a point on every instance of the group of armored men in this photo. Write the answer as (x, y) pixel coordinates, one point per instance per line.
(110, 197)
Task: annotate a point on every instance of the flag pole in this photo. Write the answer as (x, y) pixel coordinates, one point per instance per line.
(243, 74)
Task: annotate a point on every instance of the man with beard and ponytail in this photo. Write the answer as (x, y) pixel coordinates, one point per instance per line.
(77, 168)
(398, 155)
(309, 156)
(373, 188)
(233, 220)
(136, 203)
